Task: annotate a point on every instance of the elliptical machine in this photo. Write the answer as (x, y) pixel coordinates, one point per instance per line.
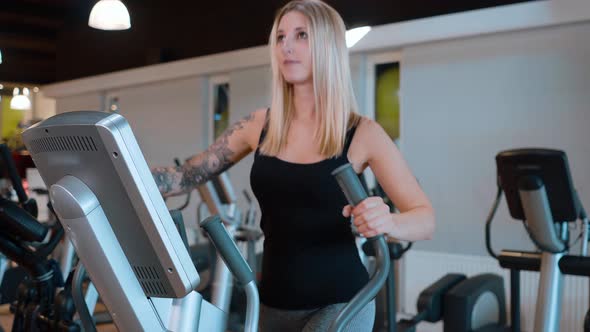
(430, 303)
(219, 197)
(107, 201)
(540, 192)
(36, 307)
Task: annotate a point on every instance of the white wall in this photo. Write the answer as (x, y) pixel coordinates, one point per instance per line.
(44, 107)
(358, 66)
(464, 100)
(166, 117)
(82, 102)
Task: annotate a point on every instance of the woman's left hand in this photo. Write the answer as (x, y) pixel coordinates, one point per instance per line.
(371, 217)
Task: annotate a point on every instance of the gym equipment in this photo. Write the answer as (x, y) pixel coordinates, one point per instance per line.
(105, 197)
(432, 303)
(219, 197)
(386, 307)
(108, 203)
(355, 193)
(36, 307)
(540, 192)
(28, 204)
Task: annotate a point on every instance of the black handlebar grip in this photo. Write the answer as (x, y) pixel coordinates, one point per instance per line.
(17, 222)
(227, 248)
(350, 184)
(12, 173)
(352, 188)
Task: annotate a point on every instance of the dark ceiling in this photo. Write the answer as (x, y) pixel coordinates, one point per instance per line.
(44, 41)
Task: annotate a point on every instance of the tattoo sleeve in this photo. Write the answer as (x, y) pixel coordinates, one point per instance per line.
(202, 167)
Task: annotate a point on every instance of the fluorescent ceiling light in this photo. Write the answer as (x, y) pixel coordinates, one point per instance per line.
(356, 34)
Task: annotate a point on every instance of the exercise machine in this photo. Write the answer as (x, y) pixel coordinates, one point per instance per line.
(219, 197)
(430, 304)
(37, 306)
(107, 201)
(540, 192)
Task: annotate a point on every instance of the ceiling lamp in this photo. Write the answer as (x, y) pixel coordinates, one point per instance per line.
(20, 102)
(356, 34)
(109, 15)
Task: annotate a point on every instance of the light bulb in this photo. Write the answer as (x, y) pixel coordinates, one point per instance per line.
(20, 102)
(109, 15)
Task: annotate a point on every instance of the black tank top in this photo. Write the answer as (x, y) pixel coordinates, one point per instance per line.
(310, 257)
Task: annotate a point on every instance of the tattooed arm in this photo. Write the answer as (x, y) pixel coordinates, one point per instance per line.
(233, 145)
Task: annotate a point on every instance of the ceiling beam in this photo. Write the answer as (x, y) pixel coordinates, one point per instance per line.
(30, 20)
(30, 43)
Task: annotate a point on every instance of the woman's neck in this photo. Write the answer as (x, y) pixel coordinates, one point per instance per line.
(304, 102)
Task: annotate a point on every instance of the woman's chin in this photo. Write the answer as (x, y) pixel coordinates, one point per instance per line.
(297, 80)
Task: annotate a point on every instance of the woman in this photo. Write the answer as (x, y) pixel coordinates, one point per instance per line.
(311, 266)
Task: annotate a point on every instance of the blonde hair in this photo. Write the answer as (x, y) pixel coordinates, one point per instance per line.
(335, 103)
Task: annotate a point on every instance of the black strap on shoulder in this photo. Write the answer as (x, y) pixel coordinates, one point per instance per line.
(349, 137)
(264, 128)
